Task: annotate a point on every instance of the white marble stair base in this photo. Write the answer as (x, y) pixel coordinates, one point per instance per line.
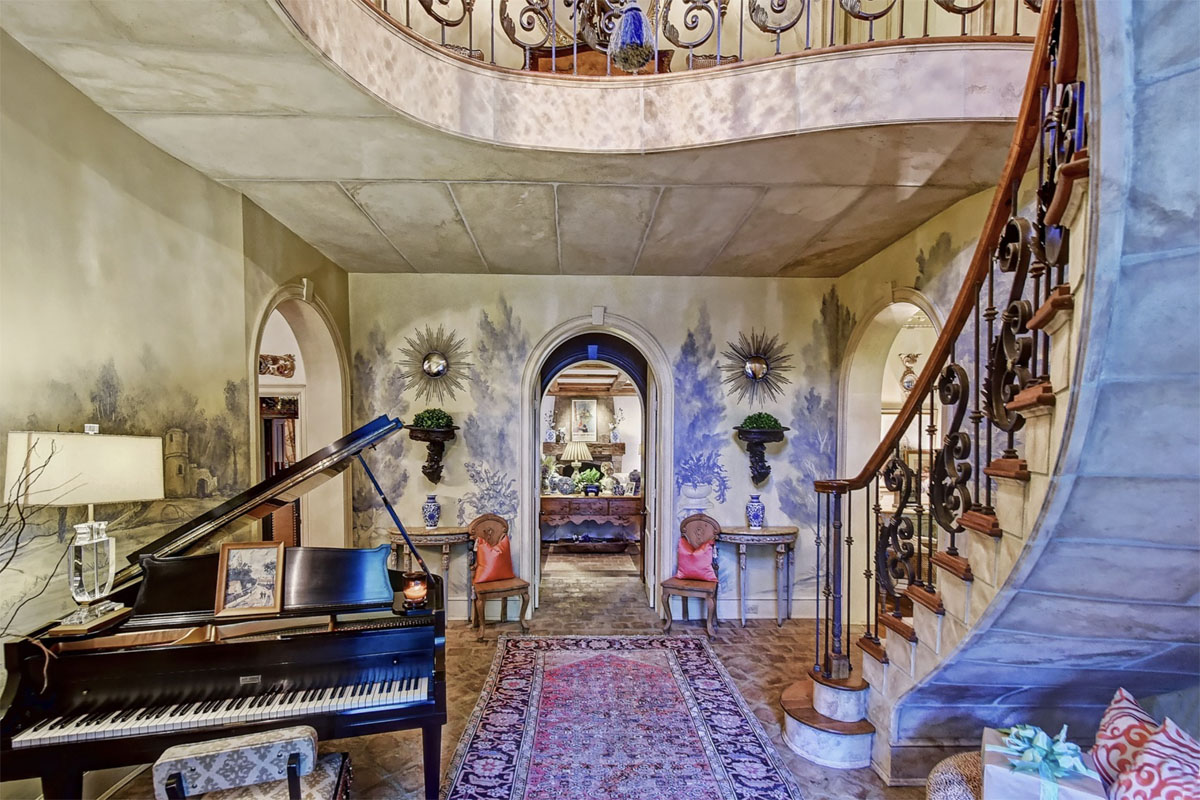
(821, 738)
(844, 705)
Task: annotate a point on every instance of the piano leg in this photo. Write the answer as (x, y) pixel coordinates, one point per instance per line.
(431, 746)
(64, 784)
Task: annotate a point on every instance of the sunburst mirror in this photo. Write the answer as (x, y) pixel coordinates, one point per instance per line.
(754, 367)
(435, 363)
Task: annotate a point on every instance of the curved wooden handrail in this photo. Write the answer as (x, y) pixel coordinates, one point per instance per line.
(1017, 162)
(924, 41)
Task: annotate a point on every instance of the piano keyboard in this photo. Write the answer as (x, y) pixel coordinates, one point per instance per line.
(276, 704)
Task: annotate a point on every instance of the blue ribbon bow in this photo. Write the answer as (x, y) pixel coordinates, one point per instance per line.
(1031, 750)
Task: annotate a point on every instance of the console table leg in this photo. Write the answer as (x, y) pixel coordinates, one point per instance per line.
(791, 576)
(742, 581)
(780, 582)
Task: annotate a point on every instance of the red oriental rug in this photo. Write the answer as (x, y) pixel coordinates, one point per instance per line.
(620, 717)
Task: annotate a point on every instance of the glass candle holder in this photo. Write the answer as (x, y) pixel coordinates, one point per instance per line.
(93, 562)
(415, 589)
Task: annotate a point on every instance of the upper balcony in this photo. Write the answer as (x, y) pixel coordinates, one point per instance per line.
(390, 151)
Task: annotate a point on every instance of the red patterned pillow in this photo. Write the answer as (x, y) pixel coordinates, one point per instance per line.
(695, 564)
(1124, 731)
(1168, 768)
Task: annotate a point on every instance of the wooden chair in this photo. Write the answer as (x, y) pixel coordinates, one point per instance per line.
(492, 529)
(698, 529)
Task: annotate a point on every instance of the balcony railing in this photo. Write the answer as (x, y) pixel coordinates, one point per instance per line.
(990, 365)
(572, 37)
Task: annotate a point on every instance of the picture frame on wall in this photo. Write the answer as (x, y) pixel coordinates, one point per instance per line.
(250, 579)
(583, 420)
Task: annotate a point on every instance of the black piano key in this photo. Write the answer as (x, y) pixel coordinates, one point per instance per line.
(38, 726)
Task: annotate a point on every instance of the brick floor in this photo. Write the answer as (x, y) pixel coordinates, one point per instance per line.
(601, 594)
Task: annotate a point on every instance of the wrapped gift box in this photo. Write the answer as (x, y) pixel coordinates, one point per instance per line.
(1002, 782)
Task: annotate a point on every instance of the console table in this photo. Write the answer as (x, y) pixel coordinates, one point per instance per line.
(421, 536)
(783, 537)
(573, 509)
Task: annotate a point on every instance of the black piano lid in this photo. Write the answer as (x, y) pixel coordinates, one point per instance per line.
(263, 498)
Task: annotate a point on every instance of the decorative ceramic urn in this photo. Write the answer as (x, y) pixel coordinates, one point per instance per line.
(431, 511)
(756, 512)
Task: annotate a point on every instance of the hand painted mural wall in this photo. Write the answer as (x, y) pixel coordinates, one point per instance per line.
(129, 299)
(501, 317)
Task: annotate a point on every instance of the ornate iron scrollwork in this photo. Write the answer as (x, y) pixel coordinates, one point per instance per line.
(949, 494)
(534, 16)
(894, 549)
(854, 9)
(954, 8)
(759, 16)
(694, 12)
(430, 7)
(1008, 367)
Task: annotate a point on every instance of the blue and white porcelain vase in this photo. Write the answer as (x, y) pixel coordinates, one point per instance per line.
(431, 511)
(756, 512)
(614, 435)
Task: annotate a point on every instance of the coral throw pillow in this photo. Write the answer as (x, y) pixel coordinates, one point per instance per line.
(695, 565)
(493, 563)
(1168, 768)
(1124, 730)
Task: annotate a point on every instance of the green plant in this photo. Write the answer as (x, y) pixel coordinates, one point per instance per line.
(587, 476)
(433, 418)
(761, 421)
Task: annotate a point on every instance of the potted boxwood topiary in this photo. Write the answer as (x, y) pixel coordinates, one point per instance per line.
(756, 431)
(434, 427)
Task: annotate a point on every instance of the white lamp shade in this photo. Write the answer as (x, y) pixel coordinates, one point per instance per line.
(85, 468)
(576, 451)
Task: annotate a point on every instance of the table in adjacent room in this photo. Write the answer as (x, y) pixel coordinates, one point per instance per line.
(783, 538)
(446, 536)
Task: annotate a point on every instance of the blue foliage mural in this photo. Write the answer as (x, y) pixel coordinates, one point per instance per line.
(812, 449)
(379, 389)
(700, 430)
(488, 431)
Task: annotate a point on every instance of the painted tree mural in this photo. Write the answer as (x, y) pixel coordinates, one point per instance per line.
(378, 389)
(700, 430)
(489, 430)
(812, 448)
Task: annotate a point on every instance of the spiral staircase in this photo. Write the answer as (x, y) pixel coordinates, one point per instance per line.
(1054, 555)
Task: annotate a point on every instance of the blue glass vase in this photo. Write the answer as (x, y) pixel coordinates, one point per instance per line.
(756, 512)
(431, 511)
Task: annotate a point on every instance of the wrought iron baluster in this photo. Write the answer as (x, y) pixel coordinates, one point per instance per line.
(894, 551)
(817, 588)
(873, 585)
(920, 507)
(761, 19)
(529, 17)
(933, 542)
(837, 662)
(849, 566)
(828, 584)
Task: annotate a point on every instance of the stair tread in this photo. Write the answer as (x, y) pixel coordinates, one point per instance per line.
(955, 565)
(873, 649)
(852, 684)
(982, 523)
(1012, 468)
(796, 702)
(901, 627)
(924, 597)
(1040, 394)
(1060, 299)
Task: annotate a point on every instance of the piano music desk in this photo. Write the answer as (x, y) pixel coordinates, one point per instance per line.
(446, 536)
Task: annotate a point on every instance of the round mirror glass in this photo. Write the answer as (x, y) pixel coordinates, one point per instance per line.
(435, 365)
(755, 368)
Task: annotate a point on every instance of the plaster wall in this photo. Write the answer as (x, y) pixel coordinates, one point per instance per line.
(126, 282)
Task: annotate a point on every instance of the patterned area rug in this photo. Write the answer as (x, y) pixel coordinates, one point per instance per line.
(621, 717)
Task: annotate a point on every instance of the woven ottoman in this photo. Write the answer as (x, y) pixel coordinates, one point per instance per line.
(958, 777)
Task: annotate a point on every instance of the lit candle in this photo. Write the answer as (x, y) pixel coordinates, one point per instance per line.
(415, 589)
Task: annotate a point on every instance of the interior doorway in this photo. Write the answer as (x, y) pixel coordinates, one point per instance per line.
(300, 407)
(592, 490)
(625, 354)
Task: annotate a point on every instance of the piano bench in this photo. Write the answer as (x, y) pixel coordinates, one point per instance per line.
(258, 766)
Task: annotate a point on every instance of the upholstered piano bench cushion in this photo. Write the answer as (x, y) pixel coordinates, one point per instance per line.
(329, 780)
(235, 761)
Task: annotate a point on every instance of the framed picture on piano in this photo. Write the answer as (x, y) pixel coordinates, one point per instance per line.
(250, 579)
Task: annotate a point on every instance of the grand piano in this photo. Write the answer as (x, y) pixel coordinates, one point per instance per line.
(343, 655)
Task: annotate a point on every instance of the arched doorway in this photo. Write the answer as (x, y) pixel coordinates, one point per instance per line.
(885, 352)
(592, 488)
(657, 445)
(315, 396)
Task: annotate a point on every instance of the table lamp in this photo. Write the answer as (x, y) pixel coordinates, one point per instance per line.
(576, 453)
(83, 469)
